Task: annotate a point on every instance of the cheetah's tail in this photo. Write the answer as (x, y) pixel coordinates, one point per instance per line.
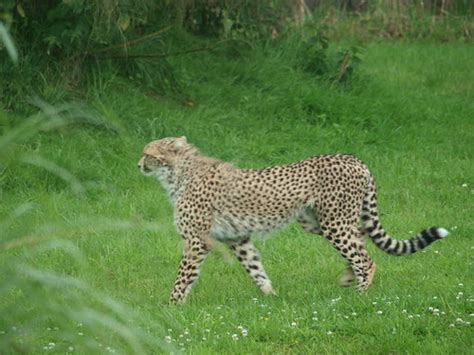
(371, 224)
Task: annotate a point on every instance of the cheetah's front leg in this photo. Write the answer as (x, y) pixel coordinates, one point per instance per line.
(194, 253)
(248, 256)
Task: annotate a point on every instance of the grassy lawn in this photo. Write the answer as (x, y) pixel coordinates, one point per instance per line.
(100, 276)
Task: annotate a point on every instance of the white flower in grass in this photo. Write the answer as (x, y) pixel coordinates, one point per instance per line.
(293, 324)
(464, 185)
(410, 316)
(70, 348)
(451, 325)
(379, 312)
(168, 339)
(460, 284)
(435, 297)
(80, 333)
(462, 321)
(354, 314)
(235, 337)
(244, 332)
(329, 332)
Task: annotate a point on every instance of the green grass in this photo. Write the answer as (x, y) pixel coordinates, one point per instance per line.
(408, 115)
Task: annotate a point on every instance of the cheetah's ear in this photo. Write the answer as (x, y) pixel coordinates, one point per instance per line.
(180, 142)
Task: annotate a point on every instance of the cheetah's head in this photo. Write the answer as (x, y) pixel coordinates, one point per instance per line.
(159, 156)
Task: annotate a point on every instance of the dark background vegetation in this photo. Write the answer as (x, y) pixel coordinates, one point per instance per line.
(64, 44)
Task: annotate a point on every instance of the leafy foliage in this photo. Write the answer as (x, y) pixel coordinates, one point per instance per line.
(237, 19)
(62, 43)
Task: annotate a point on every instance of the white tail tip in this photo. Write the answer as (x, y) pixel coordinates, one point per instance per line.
(442, 232)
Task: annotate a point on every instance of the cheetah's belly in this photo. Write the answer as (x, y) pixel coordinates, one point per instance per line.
(226, 227)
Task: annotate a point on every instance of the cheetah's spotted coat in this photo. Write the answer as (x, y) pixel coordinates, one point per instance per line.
(331, 195)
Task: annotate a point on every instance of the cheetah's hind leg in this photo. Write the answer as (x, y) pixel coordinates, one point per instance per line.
(347, 277)
(310, 224)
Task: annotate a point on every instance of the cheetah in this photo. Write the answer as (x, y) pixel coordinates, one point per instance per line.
(330, 195)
